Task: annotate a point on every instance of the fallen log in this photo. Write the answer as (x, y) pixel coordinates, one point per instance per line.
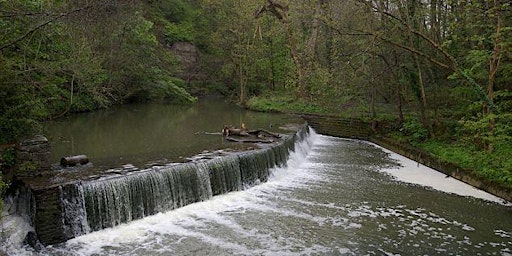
(249, 140)
(74, 160)
(263, 132)
(228, 131)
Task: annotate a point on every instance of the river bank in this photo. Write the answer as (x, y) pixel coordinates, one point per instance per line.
(359, 129)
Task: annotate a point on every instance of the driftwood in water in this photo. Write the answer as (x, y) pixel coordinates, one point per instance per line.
(249, 140)
(74, 160)
(250, 136)
(263, 132)
(228, 131)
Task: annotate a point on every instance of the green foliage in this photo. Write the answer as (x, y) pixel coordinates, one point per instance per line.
(495, 166)
(93, 58)
(178, 21)
(13, 128)
(414, 130)
(485, 131)
(176, 11)
(179, 33)
(3, 188)
(283, 103)
(27, 168)
(503, 99)
(8, 158)
(7, 161)
(84, 102)
(172, 90)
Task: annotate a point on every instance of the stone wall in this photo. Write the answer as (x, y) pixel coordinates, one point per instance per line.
(48, 215)
(339, 127)
(33, 155)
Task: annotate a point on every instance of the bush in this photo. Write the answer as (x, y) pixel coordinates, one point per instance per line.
(283, 103)
(415, 130)
(487, 131)
(8, 158)
(495, 166)
(11, 129)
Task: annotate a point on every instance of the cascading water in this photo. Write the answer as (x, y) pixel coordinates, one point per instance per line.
(94, 205)
(117, 200)
(333, 197)
(224, 174)
(73, 213)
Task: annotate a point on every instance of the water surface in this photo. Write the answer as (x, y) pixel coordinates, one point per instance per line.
(148, 134)
(335, 197)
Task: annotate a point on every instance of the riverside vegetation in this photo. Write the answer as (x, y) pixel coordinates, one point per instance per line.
(439, 70)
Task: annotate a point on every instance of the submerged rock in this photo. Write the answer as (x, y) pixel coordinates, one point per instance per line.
(32, 240)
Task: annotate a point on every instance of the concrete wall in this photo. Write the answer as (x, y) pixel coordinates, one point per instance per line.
(339, 127)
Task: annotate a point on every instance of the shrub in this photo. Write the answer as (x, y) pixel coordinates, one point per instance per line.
(415, 130)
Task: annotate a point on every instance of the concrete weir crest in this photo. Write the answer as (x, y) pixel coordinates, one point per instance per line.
(64, 211)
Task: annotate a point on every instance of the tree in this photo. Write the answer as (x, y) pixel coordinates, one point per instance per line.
(72, 56)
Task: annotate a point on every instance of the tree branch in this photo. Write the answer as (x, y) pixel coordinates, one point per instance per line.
(6, 14)
(34, 29)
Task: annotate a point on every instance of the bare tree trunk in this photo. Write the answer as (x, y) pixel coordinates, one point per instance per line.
(423, 98)
(309, 52)
(496, 56)
(399, 105)
(372, 101)
(493, 69)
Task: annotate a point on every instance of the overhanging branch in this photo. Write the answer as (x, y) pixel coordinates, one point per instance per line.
(34, 29)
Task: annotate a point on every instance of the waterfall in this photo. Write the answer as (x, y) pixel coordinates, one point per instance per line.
(117, 200)
(224, 174)
(73, 210)
(93, 205)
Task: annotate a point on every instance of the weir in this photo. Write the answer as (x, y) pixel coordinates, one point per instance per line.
(64, 211)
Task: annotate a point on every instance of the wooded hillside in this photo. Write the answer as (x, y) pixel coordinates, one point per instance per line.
(440, 70)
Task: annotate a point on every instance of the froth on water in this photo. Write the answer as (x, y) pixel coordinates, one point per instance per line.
(333, 197)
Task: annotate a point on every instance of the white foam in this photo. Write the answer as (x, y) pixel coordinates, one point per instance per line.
(185, 222)
(214, 223)
(416, 173)
(13, 230)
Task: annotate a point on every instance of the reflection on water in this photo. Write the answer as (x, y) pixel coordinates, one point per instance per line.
(334, 199)
(143, 134)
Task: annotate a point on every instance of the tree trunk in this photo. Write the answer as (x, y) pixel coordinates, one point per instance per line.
(309, 52)
(423, 98)
(496, 56)
(493, 69)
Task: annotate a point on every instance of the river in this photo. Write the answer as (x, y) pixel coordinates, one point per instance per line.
(335, 196)
(143, 135)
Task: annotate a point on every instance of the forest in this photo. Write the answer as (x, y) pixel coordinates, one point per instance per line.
(440, 71)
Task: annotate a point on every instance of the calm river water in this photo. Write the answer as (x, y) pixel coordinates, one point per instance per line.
(335, 197)
(148, 134)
